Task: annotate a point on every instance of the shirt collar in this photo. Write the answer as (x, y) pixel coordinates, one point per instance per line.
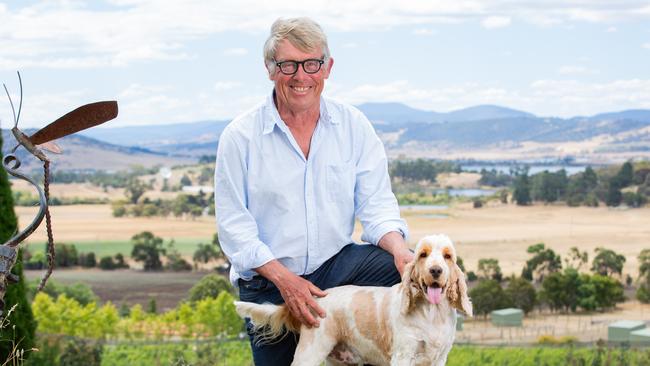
(273, 116)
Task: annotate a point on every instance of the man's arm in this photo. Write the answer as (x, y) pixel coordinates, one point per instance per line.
(375, 204)
(297, 292)
(239, 236)
(238, 232)
(394, 243)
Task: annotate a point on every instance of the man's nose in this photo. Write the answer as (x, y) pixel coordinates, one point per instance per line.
(300, 74)
(435, 271)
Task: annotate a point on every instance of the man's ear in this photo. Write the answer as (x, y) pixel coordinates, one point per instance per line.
(271, 74)
(408, 289)
(328, 67)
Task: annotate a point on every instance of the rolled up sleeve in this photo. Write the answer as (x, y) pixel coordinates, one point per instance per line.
(375, 204)
(238, 232)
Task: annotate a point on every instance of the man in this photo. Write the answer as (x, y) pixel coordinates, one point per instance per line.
(291, 176)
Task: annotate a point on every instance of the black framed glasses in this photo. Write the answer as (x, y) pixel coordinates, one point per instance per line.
(310, 66)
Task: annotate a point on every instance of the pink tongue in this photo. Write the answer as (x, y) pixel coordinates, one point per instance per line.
(434, 295)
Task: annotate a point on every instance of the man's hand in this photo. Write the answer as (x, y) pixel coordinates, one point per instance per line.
(394, 243)
(297, 292)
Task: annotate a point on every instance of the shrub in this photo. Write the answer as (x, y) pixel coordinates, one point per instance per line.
(522, 294)
(107, 263)
(87, 260)
(209, 286)
(486, 296)
(147, 248)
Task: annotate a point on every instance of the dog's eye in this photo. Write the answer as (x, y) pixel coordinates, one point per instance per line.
(447, 256)
(423, 255)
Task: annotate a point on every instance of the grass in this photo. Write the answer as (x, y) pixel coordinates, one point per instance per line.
(186, 246)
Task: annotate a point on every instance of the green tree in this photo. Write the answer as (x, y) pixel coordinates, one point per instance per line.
(205, 253)
(209, 286)
(175, 260)
(543, 262)
(22, 326)
(599, 292)
(88, 260)
(521, 294)
(643, 291)
(66, 255)
(134, 189)
(576, 258)
(521, 194)
(185, 180)
(560, 290)
(152, 307)
(614, 197)
(488, 268)
(147, 248)
(107, 263)
(607, 262)
(120, 262)
(549, 187)
(487, 296)
(626, 174)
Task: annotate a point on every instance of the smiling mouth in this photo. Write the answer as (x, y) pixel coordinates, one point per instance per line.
(301, 89)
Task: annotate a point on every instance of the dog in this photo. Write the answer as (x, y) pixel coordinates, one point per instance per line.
(411, 323)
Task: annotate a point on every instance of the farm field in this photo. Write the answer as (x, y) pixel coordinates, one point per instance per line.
(129, 286)
(494, 231)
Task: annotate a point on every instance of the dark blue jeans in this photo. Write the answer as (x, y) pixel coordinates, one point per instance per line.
(362, 265)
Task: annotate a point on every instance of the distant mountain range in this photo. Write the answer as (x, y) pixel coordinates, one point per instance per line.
(404, 130)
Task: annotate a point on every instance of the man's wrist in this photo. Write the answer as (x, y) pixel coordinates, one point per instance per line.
(393, 242)
(273, 271)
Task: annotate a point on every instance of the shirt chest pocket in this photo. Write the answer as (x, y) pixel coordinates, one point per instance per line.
(340, 182)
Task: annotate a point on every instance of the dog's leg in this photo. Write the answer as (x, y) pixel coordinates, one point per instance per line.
(313, 347)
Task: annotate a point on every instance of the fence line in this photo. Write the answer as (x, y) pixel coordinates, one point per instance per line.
(458, 342)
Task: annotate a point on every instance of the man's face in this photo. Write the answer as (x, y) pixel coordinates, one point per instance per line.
(301, 91)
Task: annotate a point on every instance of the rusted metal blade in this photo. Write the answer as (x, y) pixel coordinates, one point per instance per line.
(51, 146)
(84, 117)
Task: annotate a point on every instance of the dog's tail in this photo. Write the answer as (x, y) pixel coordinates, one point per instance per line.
(269, 321)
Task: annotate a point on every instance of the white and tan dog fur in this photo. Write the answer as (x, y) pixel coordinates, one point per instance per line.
(411, 323)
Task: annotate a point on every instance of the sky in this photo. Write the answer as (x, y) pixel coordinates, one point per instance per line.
(185, 61)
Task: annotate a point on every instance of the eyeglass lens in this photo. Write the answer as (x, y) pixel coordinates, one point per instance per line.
(309, 66)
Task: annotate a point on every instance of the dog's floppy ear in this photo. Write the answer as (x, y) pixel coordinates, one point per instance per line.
(457, 292)
(408, 289)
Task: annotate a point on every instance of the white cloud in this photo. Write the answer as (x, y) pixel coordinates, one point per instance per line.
(564, 98)
(424, 32)
(71, 34)
(495, 22)
(221, 86)
(646, 45)
(611, 29)
(572, 97)
(235, 52)
(576, 70)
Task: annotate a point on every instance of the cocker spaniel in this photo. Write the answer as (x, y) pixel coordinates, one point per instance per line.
(411, 323)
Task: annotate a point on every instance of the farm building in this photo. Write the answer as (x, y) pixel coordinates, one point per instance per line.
(459, 322)
(620, 331)
(510, 317)
(641, 336)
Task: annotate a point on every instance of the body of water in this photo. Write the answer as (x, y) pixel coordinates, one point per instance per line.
(466, 192)
(423, 207)
(533, 169)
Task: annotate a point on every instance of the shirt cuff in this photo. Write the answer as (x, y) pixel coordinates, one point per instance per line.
(374, 235)
(252, 257)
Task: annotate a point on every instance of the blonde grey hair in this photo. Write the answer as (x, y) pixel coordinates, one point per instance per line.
(303, 33)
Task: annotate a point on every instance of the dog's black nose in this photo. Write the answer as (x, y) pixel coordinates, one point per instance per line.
(436, 271)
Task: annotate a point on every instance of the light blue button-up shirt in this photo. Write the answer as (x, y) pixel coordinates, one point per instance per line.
(272, 203)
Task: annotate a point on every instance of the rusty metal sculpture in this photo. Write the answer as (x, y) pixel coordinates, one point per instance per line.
(84, 117)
